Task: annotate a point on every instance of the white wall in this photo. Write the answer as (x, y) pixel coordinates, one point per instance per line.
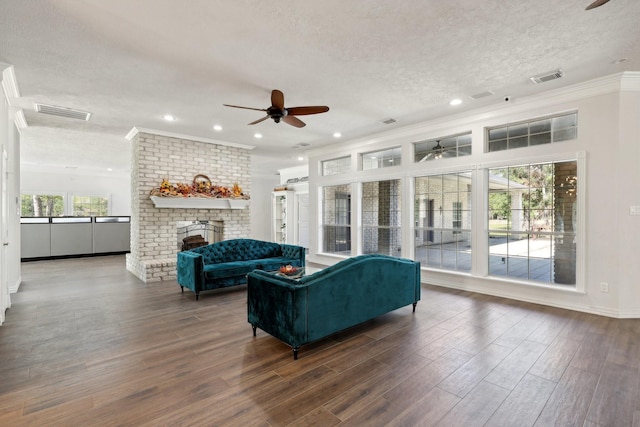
(261, 188)
(9, 180)
(5, 299)
(74, 183)
(609, 144)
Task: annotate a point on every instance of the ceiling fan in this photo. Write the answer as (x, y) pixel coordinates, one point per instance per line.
(277, 111)
(596, 3)
(437, 152)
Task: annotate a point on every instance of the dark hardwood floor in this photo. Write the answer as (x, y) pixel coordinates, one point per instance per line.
(86, 343)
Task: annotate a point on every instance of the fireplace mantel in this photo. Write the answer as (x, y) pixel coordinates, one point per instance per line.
(198, 203)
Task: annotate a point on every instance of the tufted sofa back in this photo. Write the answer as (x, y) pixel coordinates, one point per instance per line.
(238, 250)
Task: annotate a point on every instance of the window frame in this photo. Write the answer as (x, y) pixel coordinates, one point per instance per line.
(394, 230)
(44, 193)
(72, 203)
(437, 226)
(388, 158)
(339, 168)
(580, 158)
(329, 219)
(446, 150)
(528, 123)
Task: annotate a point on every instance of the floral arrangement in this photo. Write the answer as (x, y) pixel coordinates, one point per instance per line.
(288, 269)
(200, 187)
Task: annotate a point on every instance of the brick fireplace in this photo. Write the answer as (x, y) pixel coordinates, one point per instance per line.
(156, 155)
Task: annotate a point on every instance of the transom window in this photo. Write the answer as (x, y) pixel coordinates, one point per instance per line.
(381, 159)
(336, 166)
(534, 132)
(439, 148)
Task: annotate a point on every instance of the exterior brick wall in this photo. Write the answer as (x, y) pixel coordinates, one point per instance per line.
(564, 256)
(153, 230)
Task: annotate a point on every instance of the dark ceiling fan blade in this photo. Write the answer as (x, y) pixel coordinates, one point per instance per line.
(260, 120)
(596, 3)
(294, 121)
(277, 99)
(301, 111)
(246, 108)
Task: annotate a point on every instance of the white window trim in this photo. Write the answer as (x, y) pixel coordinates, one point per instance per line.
(479, 242)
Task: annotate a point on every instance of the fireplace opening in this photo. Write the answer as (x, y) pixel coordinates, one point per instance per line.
(192, 234)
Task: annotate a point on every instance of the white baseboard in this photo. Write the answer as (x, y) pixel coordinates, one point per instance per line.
(601, 311)
(13, 289)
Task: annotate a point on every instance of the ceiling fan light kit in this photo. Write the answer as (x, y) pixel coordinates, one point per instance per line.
(277, 112)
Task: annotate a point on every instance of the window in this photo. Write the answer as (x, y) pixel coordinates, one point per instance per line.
(457, 217)
(381, 159)
(37, 205)
(381, 218)
(532, 222)
(336, 166)
(439, 148)
(443, 221)
(336, 219)
(535, 132)
(90, 206)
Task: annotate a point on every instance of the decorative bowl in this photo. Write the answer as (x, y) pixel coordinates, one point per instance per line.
(288, 269)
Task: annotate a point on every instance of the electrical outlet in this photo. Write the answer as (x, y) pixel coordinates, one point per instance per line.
(604, 287)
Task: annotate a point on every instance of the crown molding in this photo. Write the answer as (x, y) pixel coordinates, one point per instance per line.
(20, 120)
(135, 130)
(10, 84)
(429, 129)
(630, 81)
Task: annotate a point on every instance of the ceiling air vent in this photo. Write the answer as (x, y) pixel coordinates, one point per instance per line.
(388, 121)
(481, 95)
(541, 78)
(62, 112)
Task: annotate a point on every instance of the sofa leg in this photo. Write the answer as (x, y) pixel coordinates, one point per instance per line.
(254, 330)
(182, 289)
(414, 306)
(197, 295)
(295, 352)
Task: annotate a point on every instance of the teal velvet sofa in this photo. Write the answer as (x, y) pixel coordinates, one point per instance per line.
(227, 263)
(345, 294)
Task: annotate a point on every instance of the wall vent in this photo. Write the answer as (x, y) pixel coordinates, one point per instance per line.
(481, 95)
(62, 111)
(552, 75)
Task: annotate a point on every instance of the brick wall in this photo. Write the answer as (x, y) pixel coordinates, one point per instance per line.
(153, 230)
(564, 247)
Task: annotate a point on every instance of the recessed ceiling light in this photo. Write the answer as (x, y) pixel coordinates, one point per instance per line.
(456, 101)
(217, 128)
(109, 169)
(257, 135)
(301, 158)
(337, 134)
(168, 117)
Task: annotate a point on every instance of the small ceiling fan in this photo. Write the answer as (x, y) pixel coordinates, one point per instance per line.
(437, 152)
(596, 3)
(277, 111)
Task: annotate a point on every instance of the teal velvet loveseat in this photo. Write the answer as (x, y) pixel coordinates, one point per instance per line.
(345, 294)
(227, 263)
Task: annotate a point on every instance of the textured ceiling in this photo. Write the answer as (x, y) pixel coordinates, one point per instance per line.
(130, 62)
